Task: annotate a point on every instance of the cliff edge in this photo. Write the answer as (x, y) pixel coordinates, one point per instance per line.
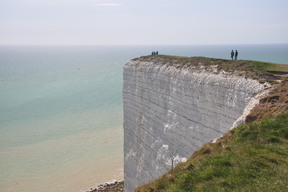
(174, 105)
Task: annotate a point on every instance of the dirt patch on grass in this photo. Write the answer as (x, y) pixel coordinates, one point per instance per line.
(272, 105)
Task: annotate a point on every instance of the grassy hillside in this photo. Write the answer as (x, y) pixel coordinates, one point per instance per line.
(252, 157)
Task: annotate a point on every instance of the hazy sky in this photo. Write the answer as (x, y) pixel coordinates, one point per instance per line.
(130, 22)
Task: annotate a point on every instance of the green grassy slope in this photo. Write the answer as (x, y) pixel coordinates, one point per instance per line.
(252, 157)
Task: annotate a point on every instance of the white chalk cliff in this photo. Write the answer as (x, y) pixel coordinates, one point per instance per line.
(170, 111)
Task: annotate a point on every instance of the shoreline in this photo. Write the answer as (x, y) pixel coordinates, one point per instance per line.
(114, 186)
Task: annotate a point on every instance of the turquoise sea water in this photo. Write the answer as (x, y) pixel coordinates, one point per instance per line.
(61, 110)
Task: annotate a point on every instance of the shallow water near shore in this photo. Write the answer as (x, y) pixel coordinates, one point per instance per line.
(61, 111)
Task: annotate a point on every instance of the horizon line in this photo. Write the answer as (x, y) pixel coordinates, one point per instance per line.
(206, 44)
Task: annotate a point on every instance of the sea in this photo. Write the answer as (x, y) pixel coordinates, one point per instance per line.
(61, 113)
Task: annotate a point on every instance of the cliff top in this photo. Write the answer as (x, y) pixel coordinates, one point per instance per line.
(262, 71)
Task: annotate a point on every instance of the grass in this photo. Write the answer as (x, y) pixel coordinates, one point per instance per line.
(262, 71)
(251, 157)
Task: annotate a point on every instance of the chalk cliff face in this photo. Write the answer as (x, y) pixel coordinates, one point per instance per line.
(169, 112)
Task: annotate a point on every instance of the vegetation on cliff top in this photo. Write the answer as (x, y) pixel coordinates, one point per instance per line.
(252, 157)
(262, 71)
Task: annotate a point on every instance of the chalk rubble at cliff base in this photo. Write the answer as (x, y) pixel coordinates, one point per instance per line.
(114, 186)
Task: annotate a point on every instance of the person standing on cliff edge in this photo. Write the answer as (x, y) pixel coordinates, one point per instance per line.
(232, 54)
(236, 54)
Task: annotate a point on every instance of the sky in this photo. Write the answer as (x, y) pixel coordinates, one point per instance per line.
(143, 22)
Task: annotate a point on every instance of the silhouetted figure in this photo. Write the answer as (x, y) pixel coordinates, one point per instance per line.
(236, 54)
(156, 52)
(232, 54)
(153, 53)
